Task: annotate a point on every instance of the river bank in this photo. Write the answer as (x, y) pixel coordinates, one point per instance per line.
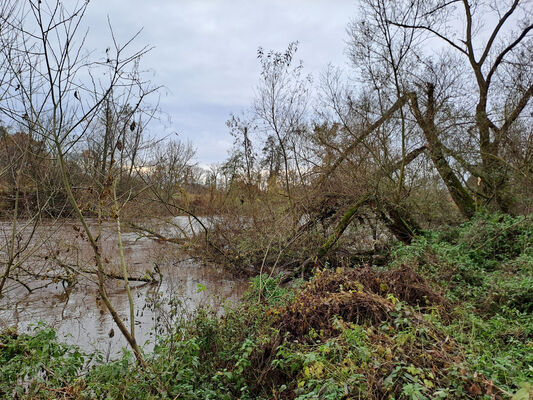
(449, 316)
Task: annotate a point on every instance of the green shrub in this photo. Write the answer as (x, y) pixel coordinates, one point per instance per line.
(33, 364)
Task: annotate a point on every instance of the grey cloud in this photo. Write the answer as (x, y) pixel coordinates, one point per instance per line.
(205, 52)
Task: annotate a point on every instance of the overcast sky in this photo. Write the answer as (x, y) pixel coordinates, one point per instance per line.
(205, 53)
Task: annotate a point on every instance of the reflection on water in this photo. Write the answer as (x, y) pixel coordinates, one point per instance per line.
(80, 317)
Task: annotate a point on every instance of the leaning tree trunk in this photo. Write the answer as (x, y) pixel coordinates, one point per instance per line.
(400, 224)
(398, 221)
(426, 122)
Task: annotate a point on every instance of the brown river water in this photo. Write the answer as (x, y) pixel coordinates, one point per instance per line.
(78, 314)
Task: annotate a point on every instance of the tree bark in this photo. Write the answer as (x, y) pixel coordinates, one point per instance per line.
(426, 122)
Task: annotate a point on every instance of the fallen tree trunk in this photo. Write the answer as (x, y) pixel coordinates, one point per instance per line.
(342, 225)
(398, 221)
(400, 224)
(155, 235)
(148, 277)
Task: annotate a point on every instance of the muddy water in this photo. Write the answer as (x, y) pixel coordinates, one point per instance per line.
(77, 312)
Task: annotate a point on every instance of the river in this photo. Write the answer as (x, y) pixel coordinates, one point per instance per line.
(78, 314)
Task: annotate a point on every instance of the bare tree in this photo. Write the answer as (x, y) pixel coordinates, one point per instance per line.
(490, 43)
(281, 103)
(170, 168)
(241, 129)
(59, 92)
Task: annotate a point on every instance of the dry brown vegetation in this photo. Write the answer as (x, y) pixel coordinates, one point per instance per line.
(359, 296)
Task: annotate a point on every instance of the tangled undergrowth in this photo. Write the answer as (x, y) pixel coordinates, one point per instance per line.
(361, 295)
(449, 317)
